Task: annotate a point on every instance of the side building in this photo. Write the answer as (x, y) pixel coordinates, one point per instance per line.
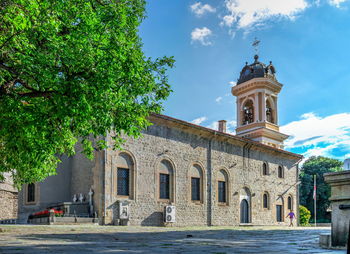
(211, 177)
(8, 200)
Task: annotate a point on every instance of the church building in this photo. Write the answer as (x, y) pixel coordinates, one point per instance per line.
(183, 174)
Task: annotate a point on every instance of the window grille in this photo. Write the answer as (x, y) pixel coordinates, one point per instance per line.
(164, 186)
(123, 182)
(222, 191)
(31, 193)
(195, 186)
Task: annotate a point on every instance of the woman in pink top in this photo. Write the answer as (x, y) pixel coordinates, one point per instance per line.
(291, 216)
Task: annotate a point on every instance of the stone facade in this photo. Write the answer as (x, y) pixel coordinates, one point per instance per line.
(8, 199)
(217, 156)
(340, 203)
(185, 145)
(211, 177)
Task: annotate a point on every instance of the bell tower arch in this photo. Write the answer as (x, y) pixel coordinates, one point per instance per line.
(256, 94)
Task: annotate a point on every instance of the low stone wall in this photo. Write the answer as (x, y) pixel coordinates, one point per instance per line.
(9, 205)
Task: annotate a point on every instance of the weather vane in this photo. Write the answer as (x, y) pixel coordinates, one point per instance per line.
(256, 45)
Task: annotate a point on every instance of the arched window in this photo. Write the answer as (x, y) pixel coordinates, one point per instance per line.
(222, 186)
(280, 172)
(125, 175)
(269, 112)
(248, 112)
(31, 193)
(166, 180)
(196, 179)
(290, 203)
(265, 170)
(266, 200)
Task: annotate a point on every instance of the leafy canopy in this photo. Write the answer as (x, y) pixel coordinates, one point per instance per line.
(71, 70)
(317, 166)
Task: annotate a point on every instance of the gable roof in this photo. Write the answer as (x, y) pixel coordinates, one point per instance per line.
(222, 134)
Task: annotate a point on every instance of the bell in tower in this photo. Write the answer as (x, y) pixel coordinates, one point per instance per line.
(257, 93)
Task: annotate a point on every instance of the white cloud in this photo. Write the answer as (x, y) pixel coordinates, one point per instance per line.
(336, 3)
(200, 9)
(199, 120)
(319, 136)
(243, 14)
(201, 35)
(218, 99)
(232, 83)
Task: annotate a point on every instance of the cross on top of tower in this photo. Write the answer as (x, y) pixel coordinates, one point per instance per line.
(255, 44)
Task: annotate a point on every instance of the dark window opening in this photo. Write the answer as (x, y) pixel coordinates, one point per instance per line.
(290, 203)
(31, 193)
(248, 113)
(280, 172)
(123, 182)
(164, 186)
(265, 169)
(222, 191)
(195, 188)
(265, 201)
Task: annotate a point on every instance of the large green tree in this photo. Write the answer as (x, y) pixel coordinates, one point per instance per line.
(71, 70)
(317, 166)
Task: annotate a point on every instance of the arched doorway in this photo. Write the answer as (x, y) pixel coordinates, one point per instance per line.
(244, 211)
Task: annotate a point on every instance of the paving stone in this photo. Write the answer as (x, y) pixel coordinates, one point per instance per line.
(101, 239)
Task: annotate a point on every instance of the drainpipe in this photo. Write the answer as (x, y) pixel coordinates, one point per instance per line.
(209, 182)
(209, 185)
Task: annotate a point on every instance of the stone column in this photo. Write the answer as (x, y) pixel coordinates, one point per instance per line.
(263, 104)
(256, 108)
(340, 203)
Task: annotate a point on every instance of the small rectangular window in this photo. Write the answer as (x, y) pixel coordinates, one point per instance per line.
(164, 186)
(195, 187)
(123, 182)
(31, 192)
(222, 191)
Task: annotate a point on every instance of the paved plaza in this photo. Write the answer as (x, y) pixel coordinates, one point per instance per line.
(23, 239)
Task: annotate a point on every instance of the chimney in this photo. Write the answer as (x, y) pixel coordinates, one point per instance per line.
(222, 125)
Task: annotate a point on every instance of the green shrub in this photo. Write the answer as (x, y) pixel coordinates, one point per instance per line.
(305, 215)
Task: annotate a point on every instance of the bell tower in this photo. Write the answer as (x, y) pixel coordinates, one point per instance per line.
(256, 97)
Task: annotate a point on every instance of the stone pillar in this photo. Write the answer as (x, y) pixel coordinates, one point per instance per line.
(256, 108)
(340, 203)
(238, 109)
(263, 107)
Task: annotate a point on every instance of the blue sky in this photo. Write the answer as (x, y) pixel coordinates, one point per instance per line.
(308, 42)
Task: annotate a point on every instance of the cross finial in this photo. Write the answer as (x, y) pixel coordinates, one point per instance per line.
(256, 45)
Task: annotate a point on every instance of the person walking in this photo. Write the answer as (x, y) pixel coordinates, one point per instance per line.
(291, 216)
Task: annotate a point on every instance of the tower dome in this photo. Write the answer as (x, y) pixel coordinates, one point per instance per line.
(256, 70)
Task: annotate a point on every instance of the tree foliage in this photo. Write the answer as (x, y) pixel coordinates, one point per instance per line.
(72, 70)
(317, 166)
(304, 215)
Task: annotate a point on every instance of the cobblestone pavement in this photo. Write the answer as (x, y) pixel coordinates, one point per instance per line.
(25, 239)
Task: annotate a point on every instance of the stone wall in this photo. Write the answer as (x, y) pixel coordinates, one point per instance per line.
(8, 205)
(8, 198)
(184, 147)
